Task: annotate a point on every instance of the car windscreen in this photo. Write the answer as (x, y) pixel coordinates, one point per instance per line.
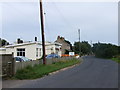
(25, 59)
(18, 59)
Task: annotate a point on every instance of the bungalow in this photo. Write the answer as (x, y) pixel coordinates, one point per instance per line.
(31, 50)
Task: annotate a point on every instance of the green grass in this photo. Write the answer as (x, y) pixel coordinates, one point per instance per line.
(41, 70)
(116, 59)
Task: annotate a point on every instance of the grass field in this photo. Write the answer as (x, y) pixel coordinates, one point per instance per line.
(40, 70)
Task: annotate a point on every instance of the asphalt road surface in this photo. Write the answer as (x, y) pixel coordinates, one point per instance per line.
(91, 73)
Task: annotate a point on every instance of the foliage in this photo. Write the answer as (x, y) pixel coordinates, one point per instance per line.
(69, 44)
(119, 50)
(40, 70)
(116, 59)
(66, 51)
(84, 46)
(3, 42)
(103, 50)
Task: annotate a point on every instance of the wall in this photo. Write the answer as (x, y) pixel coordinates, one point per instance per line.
(7, 63)
(30, 51)
(9, 50)
(53, 47)
(49, 49)
(2, 51)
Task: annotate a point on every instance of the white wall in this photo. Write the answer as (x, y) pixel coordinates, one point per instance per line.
(30, 51)
(52, 46)
(2, 51)
(49, 49)
(9, 50)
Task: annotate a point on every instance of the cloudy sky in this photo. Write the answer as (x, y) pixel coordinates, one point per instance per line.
(98, 21)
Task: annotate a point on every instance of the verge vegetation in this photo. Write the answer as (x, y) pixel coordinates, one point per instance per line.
(41, 70)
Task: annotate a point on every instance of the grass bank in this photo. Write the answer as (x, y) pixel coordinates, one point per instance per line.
(116, 60)
(40, 70)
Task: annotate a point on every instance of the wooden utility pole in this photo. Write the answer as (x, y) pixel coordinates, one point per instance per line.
(79, 43)
(42, 31)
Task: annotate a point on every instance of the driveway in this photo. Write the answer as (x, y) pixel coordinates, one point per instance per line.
(91, 73)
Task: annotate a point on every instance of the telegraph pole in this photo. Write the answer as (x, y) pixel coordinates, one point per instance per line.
(42, 31)
(79, 43)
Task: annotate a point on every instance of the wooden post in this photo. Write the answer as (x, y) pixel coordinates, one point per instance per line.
(42, 31)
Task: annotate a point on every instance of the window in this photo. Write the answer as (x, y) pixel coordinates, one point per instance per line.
(21, 52)
(36, 52)
(40, 52)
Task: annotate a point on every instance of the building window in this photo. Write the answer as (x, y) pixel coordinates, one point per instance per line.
(21, 52)
(36, 52)
(40, 52)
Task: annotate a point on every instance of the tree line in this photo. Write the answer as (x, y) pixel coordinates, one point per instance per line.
(100, 50)
(82, 48)
(103, 50)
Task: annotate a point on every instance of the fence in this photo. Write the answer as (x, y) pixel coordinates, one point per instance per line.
(10, 66)
(21, 65)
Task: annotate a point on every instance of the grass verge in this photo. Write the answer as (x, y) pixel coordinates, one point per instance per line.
(116, 59)
(40, 70)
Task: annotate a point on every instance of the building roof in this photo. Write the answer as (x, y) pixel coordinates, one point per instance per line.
(29, 43)
(21, 44)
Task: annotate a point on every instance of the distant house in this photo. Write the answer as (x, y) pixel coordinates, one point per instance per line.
(66, 46)
(31, 50)
(53, 48)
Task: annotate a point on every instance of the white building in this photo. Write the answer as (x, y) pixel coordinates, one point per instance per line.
(53, 48)
(31, 50)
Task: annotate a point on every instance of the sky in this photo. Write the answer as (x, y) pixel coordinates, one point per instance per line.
(97, 21)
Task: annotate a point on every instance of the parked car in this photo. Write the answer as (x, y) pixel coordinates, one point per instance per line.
(22, 59)
(52, 56)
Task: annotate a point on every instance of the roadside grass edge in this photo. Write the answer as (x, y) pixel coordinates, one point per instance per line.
(39, 71)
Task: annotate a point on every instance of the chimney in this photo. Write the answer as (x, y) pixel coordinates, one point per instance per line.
(62, 38)
(19, 41)
(58, 37)
(35, 39)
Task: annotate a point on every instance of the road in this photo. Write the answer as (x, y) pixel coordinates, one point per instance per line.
(91, 73)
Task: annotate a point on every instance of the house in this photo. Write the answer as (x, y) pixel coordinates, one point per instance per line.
(65, 44)
(53, 48)
(31, 50)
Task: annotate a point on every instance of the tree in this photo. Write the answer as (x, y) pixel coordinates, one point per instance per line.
(66, 51)
(3, 42)
(84, 46)
(69, 44)
(119, 50)
(103, 50)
